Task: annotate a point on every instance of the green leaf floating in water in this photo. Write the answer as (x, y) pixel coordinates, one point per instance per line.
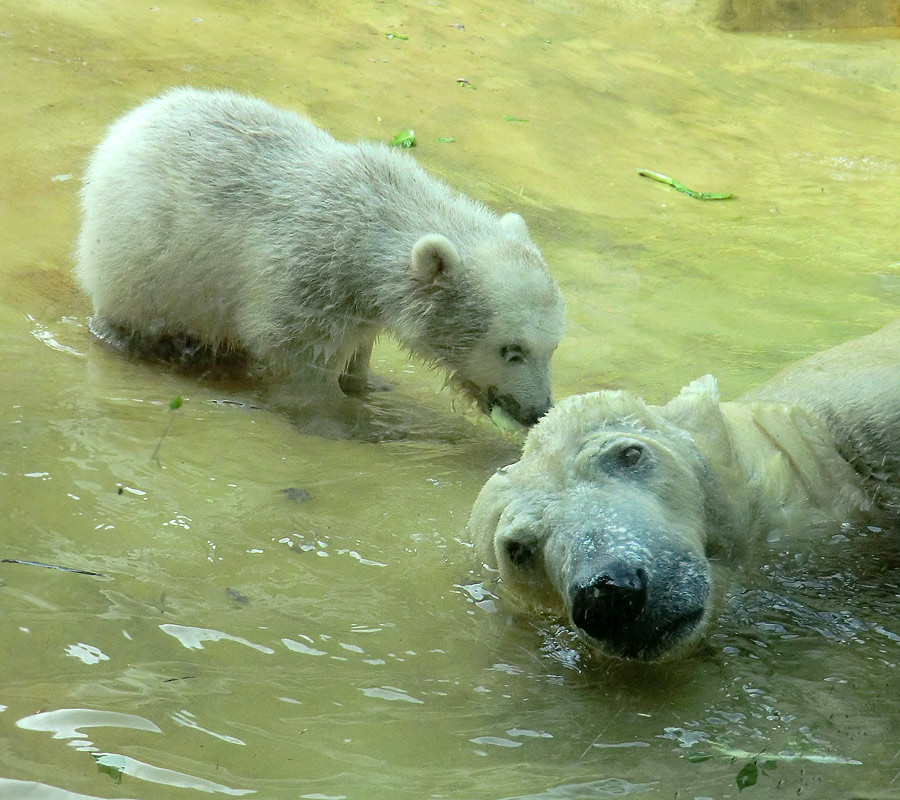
(404, 139)
(748, 776)
(647, 173)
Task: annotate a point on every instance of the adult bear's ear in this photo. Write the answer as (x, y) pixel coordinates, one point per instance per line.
(694, 402)
(499, 491)
(696, 410)
(515, 226)
(434, 259)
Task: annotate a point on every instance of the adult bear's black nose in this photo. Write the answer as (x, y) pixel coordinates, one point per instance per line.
(608, 606)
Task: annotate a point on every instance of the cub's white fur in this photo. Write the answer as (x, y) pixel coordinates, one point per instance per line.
(216, 217)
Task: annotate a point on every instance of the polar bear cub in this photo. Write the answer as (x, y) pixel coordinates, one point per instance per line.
(217, 219)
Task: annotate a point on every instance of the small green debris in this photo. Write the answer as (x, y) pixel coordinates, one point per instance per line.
(404, 139)
(296, 494)
(50, 566)
(747, 776)
(772, 759)
(402, 36)
(511, 118)
(174, 404)
(504, 421)
(656, 176)
(749, 773)
(237, 596)
(446, 139)
(465, 83)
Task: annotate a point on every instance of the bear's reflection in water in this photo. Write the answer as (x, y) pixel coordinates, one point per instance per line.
(375, 416)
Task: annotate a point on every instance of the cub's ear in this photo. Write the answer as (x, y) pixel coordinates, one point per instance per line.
(434, 259)
(515, 226)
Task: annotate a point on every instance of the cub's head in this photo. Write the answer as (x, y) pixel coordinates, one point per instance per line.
(615, 518)
(493, 317)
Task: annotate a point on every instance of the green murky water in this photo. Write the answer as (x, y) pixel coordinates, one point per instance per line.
(246, 641)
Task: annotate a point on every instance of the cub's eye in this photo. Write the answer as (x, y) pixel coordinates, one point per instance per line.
(630, 456)
(519, 553)
(512, 354)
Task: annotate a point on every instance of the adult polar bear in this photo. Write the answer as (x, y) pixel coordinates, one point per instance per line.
(626, 517)
(216, 219)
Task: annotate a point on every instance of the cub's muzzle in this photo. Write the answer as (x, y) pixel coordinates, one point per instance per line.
(527, 415)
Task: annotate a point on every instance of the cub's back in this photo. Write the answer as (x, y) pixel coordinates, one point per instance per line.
(201, 144)
(185, 190)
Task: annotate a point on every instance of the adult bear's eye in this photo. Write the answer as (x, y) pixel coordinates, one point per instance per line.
(619, 456)
(512, 354)
(630, 456)
(519, 553)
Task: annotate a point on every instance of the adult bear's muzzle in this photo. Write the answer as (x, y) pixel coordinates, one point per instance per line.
(636, 611)
(633, 586)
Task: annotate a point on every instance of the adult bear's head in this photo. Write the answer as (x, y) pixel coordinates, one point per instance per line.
(490, 313)
(616, 516)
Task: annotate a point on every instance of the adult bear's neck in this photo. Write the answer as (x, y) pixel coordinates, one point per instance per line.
(797, 478)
